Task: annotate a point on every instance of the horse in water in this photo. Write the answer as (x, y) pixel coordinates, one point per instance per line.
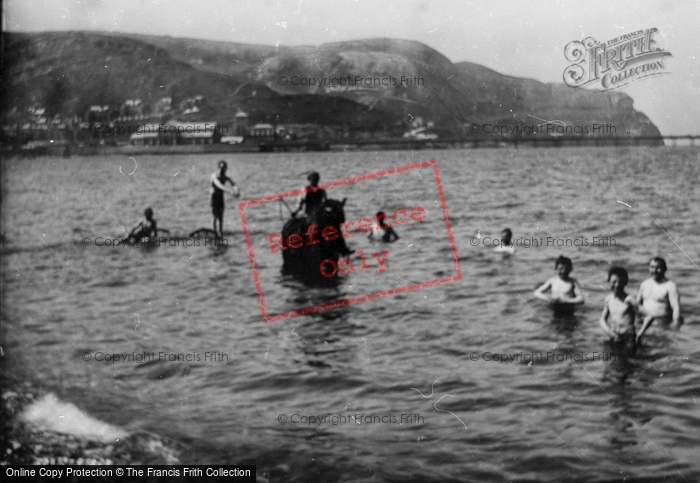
(308, 261)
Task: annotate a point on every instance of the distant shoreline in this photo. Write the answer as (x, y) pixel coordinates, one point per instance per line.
(68, 150)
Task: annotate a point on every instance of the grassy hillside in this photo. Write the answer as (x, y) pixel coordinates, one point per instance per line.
(66, 72)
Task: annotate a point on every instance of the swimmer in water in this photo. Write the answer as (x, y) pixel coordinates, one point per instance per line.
(506, 245)
(218, 187)
(147, 228)
(658, 298)
(617, 319)
(565, 291)
(383, 229)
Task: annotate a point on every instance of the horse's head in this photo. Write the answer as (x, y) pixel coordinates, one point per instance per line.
(332, 213)
(306, 259)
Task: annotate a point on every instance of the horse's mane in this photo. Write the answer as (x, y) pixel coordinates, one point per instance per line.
(306, 259)
(322, 214)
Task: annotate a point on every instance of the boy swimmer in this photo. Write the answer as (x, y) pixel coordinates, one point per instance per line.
(218, 188)
(658, 298)
(506, 243)
(312, 197)
(388, 235)
(565, 291)
(617, 319)
(148, 228)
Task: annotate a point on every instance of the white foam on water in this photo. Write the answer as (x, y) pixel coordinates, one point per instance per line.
(48, 413)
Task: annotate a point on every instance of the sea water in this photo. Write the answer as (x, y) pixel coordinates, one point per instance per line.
(466, 381)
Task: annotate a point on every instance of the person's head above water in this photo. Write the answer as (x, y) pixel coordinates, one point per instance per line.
(381, 219)
(621, 275)
(506, 235)
(148, 213)
(563, 266)
(660, 262)
(314, 178)
(657, 268)
(562, 260)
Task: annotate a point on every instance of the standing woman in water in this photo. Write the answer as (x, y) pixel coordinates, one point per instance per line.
(218, 187)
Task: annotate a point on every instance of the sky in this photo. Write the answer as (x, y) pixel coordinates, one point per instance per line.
(518, 38)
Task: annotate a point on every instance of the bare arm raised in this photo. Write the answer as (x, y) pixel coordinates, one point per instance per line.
(540, 291)
(235, 191)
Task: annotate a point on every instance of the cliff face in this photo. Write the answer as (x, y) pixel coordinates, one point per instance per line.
(508, 100)
(372, 84)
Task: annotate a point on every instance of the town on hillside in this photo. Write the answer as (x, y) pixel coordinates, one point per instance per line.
(134, 124)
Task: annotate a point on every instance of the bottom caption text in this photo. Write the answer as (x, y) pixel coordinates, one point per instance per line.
(243, 473)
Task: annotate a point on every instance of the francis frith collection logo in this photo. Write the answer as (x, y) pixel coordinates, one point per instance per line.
(615, 63)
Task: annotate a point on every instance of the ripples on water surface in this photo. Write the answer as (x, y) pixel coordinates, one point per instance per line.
(553, 420)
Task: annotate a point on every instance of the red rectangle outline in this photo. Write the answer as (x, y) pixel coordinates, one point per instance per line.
(364, 298)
